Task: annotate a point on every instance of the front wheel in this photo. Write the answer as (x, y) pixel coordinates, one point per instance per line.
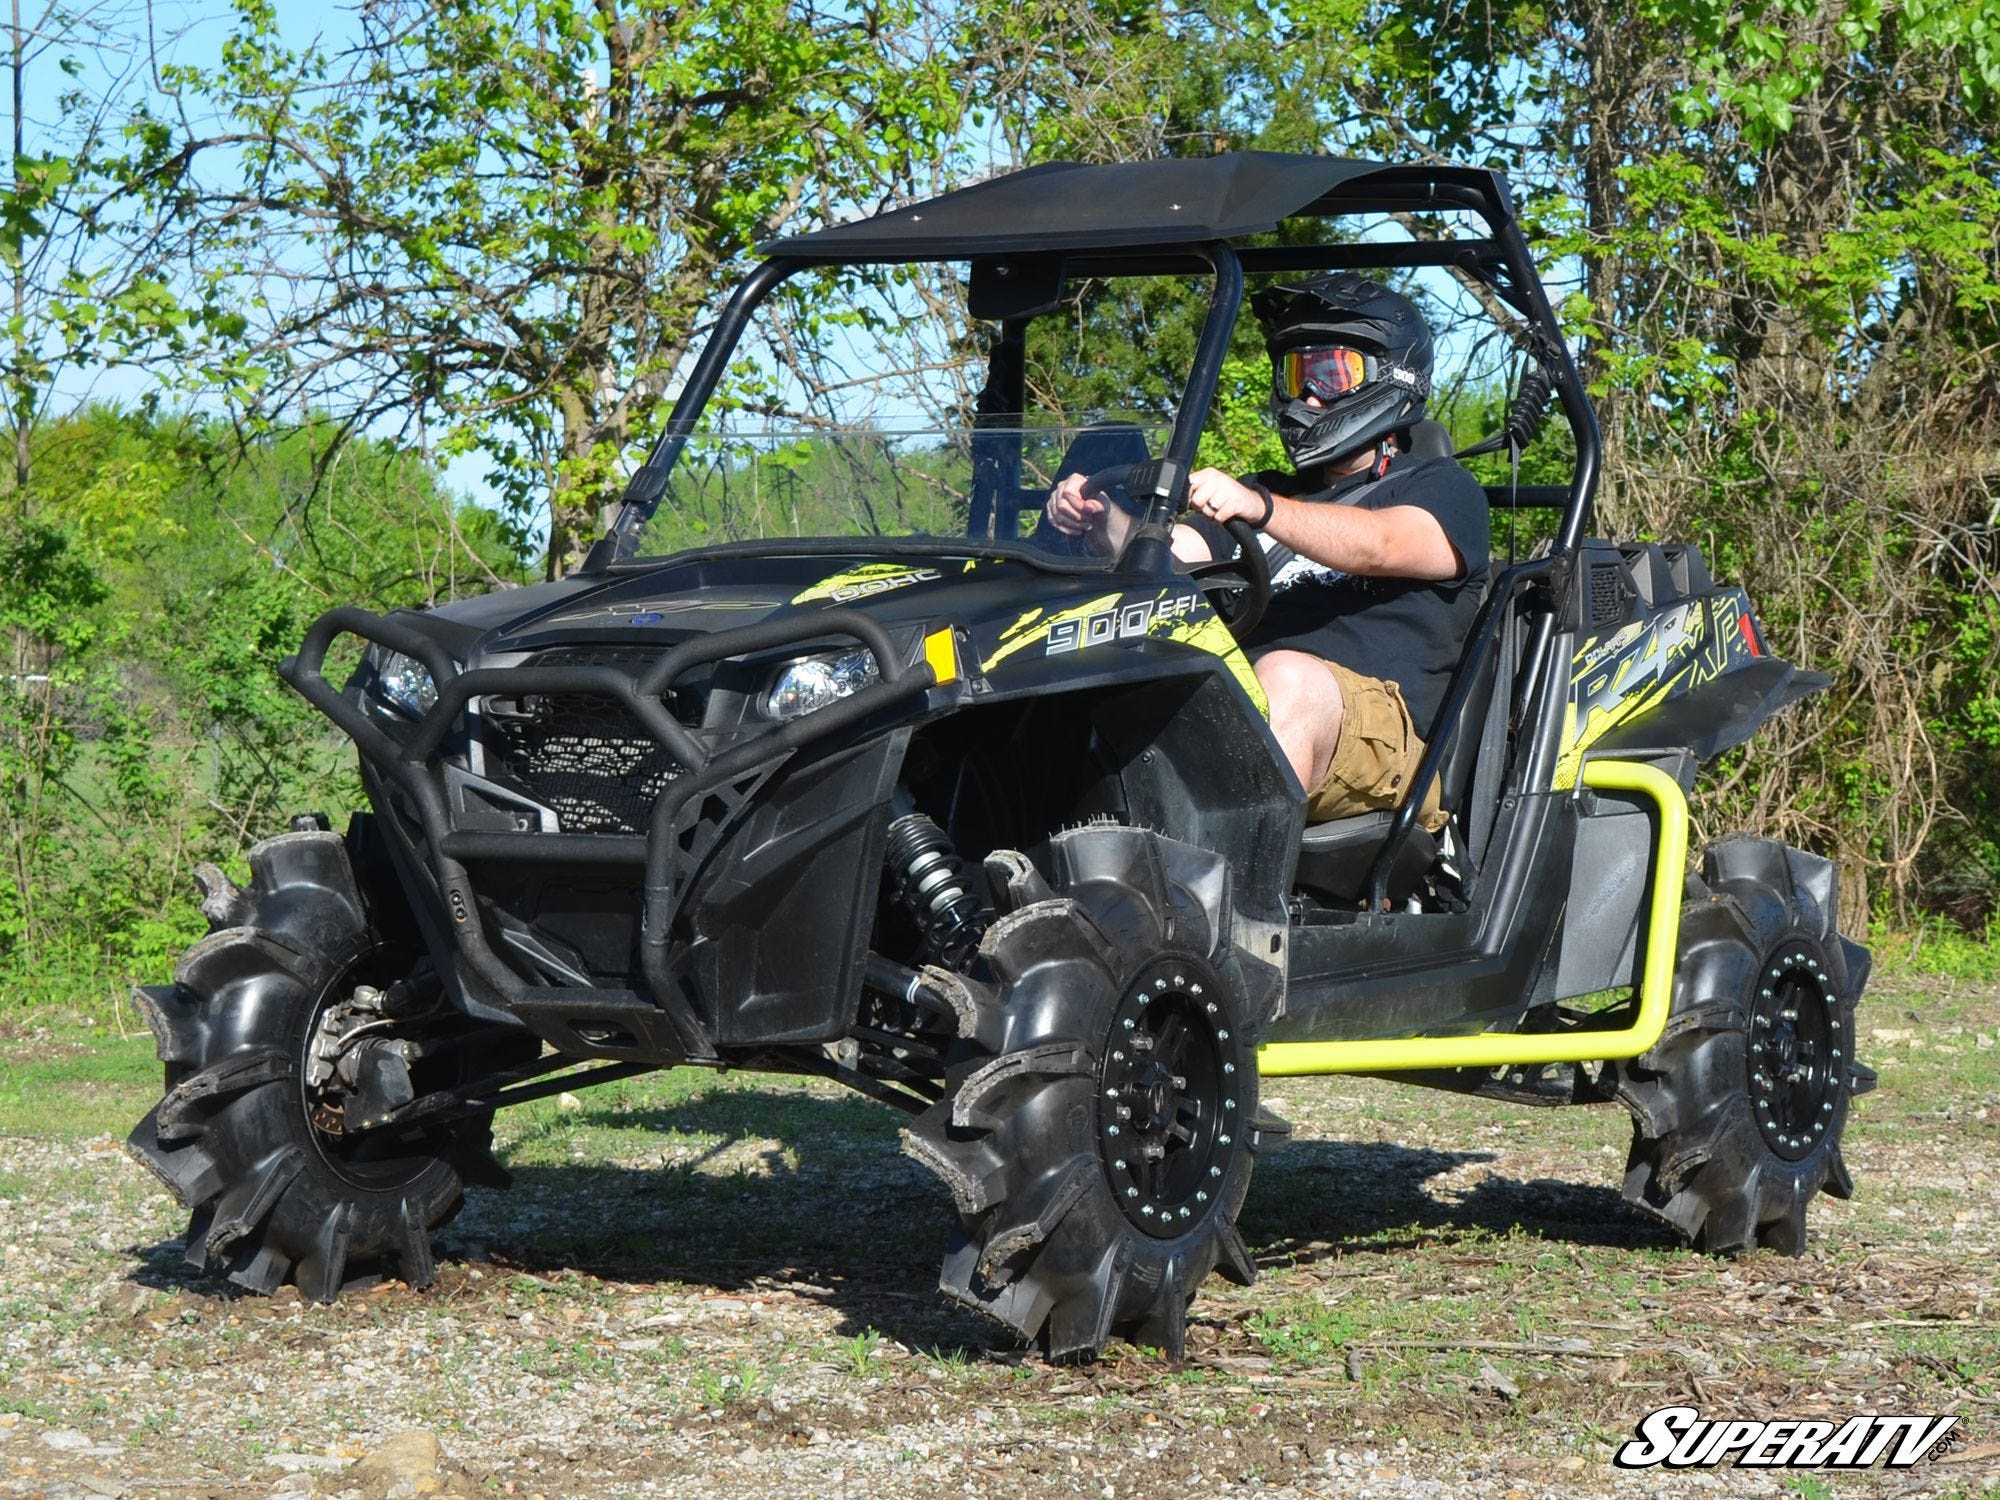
(247, 1138)
(1101, 1111)
(1738, 1109)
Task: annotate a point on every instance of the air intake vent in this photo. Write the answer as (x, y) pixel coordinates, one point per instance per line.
(1609, 597)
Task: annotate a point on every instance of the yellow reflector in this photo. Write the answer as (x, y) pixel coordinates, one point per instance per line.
(941, 652)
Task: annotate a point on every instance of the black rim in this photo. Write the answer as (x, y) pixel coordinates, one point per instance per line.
(1169, 1097)
(1796, 1052)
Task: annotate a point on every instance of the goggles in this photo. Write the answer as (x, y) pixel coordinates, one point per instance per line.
(1323, 370)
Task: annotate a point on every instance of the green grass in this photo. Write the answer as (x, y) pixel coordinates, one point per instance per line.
(76, 1083)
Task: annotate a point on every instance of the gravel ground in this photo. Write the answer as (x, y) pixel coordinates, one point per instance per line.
(671, 1303)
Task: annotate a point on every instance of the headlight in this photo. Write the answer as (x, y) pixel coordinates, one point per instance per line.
(403, 682)
(812, 682)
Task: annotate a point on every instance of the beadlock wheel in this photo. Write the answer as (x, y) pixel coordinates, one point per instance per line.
(1167, 1091)
(1738, 1110)
(1795, 1056)
(1100, 1115)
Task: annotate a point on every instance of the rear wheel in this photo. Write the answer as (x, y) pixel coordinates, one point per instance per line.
(1101, 1113)
(277, 1188)
(1739, 1108)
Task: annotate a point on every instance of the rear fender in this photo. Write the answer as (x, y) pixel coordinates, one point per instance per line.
(1667, 660)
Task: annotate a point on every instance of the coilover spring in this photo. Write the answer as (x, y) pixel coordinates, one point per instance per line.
(943, 897)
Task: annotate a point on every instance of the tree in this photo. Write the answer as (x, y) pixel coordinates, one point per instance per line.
(499, 226)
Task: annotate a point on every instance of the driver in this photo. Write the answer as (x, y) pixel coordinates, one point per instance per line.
(1378, 557)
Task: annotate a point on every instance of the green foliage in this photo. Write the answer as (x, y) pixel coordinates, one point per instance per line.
(514, 215)
(142, 723)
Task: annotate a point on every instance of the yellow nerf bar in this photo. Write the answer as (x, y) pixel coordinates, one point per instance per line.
(1510, 1048)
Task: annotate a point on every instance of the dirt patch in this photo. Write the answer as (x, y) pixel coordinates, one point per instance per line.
(704, 1288)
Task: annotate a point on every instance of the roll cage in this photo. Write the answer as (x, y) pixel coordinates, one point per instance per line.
(1027, 234)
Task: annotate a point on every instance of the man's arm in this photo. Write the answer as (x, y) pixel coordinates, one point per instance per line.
(1404, 541)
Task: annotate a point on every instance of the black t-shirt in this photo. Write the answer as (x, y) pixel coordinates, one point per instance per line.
(1402, 630)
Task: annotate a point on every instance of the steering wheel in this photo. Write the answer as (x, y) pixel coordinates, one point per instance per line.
(1239, 587)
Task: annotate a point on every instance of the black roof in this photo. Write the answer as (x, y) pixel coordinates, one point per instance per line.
(1133, 205)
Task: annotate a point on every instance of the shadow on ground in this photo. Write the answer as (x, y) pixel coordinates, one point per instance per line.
(827, 1207)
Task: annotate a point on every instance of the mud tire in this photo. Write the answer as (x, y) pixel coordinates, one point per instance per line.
(270, 1201)
(1129, 937)
(1738, 1110)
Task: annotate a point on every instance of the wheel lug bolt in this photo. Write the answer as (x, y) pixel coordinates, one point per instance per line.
(1229, 1103)
(1184, 1211)
(1111, 1093)
(1221, 1140)
(1826, 1108)
(1194, 989)
(1111, 1130)
(1217, 1171)
(1119, 1055)
(1836, 1052)
(1202, 1196)
(1130, 1023)
(1124, 1111)
(1180, 981)
(1765, 993)
(1146, 1209)
(1229, 1067)
(1221, 1036)
(1160, 984)
(1131, 1192)
(1211, 1007)
(1120, 1165)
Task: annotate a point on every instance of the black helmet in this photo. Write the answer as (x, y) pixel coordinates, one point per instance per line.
(1372, 339)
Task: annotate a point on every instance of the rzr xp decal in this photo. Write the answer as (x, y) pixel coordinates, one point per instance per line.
(866, 580)
(1621, 677)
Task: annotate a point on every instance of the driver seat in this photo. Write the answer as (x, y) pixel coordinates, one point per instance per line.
(1335, 857)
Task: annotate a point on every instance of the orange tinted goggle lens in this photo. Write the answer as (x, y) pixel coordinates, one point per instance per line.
(1328, 371)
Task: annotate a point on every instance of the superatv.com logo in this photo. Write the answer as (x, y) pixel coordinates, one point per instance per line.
(1681, 1438)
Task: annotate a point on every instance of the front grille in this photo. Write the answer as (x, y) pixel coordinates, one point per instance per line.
(583, 754)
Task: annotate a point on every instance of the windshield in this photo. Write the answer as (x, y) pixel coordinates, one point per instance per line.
(868, 401)
(987, 482)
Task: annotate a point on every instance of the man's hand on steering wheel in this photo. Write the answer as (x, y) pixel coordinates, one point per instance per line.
(1072, 508)
(1239, 587)
(1223, 498)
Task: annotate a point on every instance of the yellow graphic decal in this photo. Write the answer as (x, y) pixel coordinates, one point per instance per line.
(1212, 636)
(1636, 668)
(1035, 624)
(869, 578)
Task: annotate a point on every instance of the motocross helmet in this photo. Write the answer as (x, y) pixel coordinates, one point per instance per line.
(1362, 351)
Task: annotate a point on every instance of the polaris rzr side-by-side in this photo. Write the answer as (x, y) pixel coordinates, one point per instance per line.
(886, 782)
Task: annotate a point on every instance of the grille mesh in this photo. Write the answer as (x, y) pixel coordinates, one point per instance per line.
(1607, 597)
(583, 754)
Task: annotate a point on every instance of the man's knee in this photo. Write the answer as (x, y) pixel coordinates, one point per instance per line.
(1300, 686)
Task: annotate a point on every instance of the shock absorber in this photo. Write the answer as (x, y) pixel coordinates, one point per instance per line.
(943, 897)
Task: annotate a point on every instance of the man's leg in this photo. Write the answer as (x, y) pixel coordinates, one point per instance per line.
(1305, 711)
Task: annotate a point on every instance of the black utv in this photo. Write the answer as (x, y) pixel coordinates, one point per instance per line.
(997, 834)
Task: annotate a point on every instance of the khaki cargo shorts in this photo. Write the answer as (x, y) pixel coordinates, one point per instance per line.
(1377, 756)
